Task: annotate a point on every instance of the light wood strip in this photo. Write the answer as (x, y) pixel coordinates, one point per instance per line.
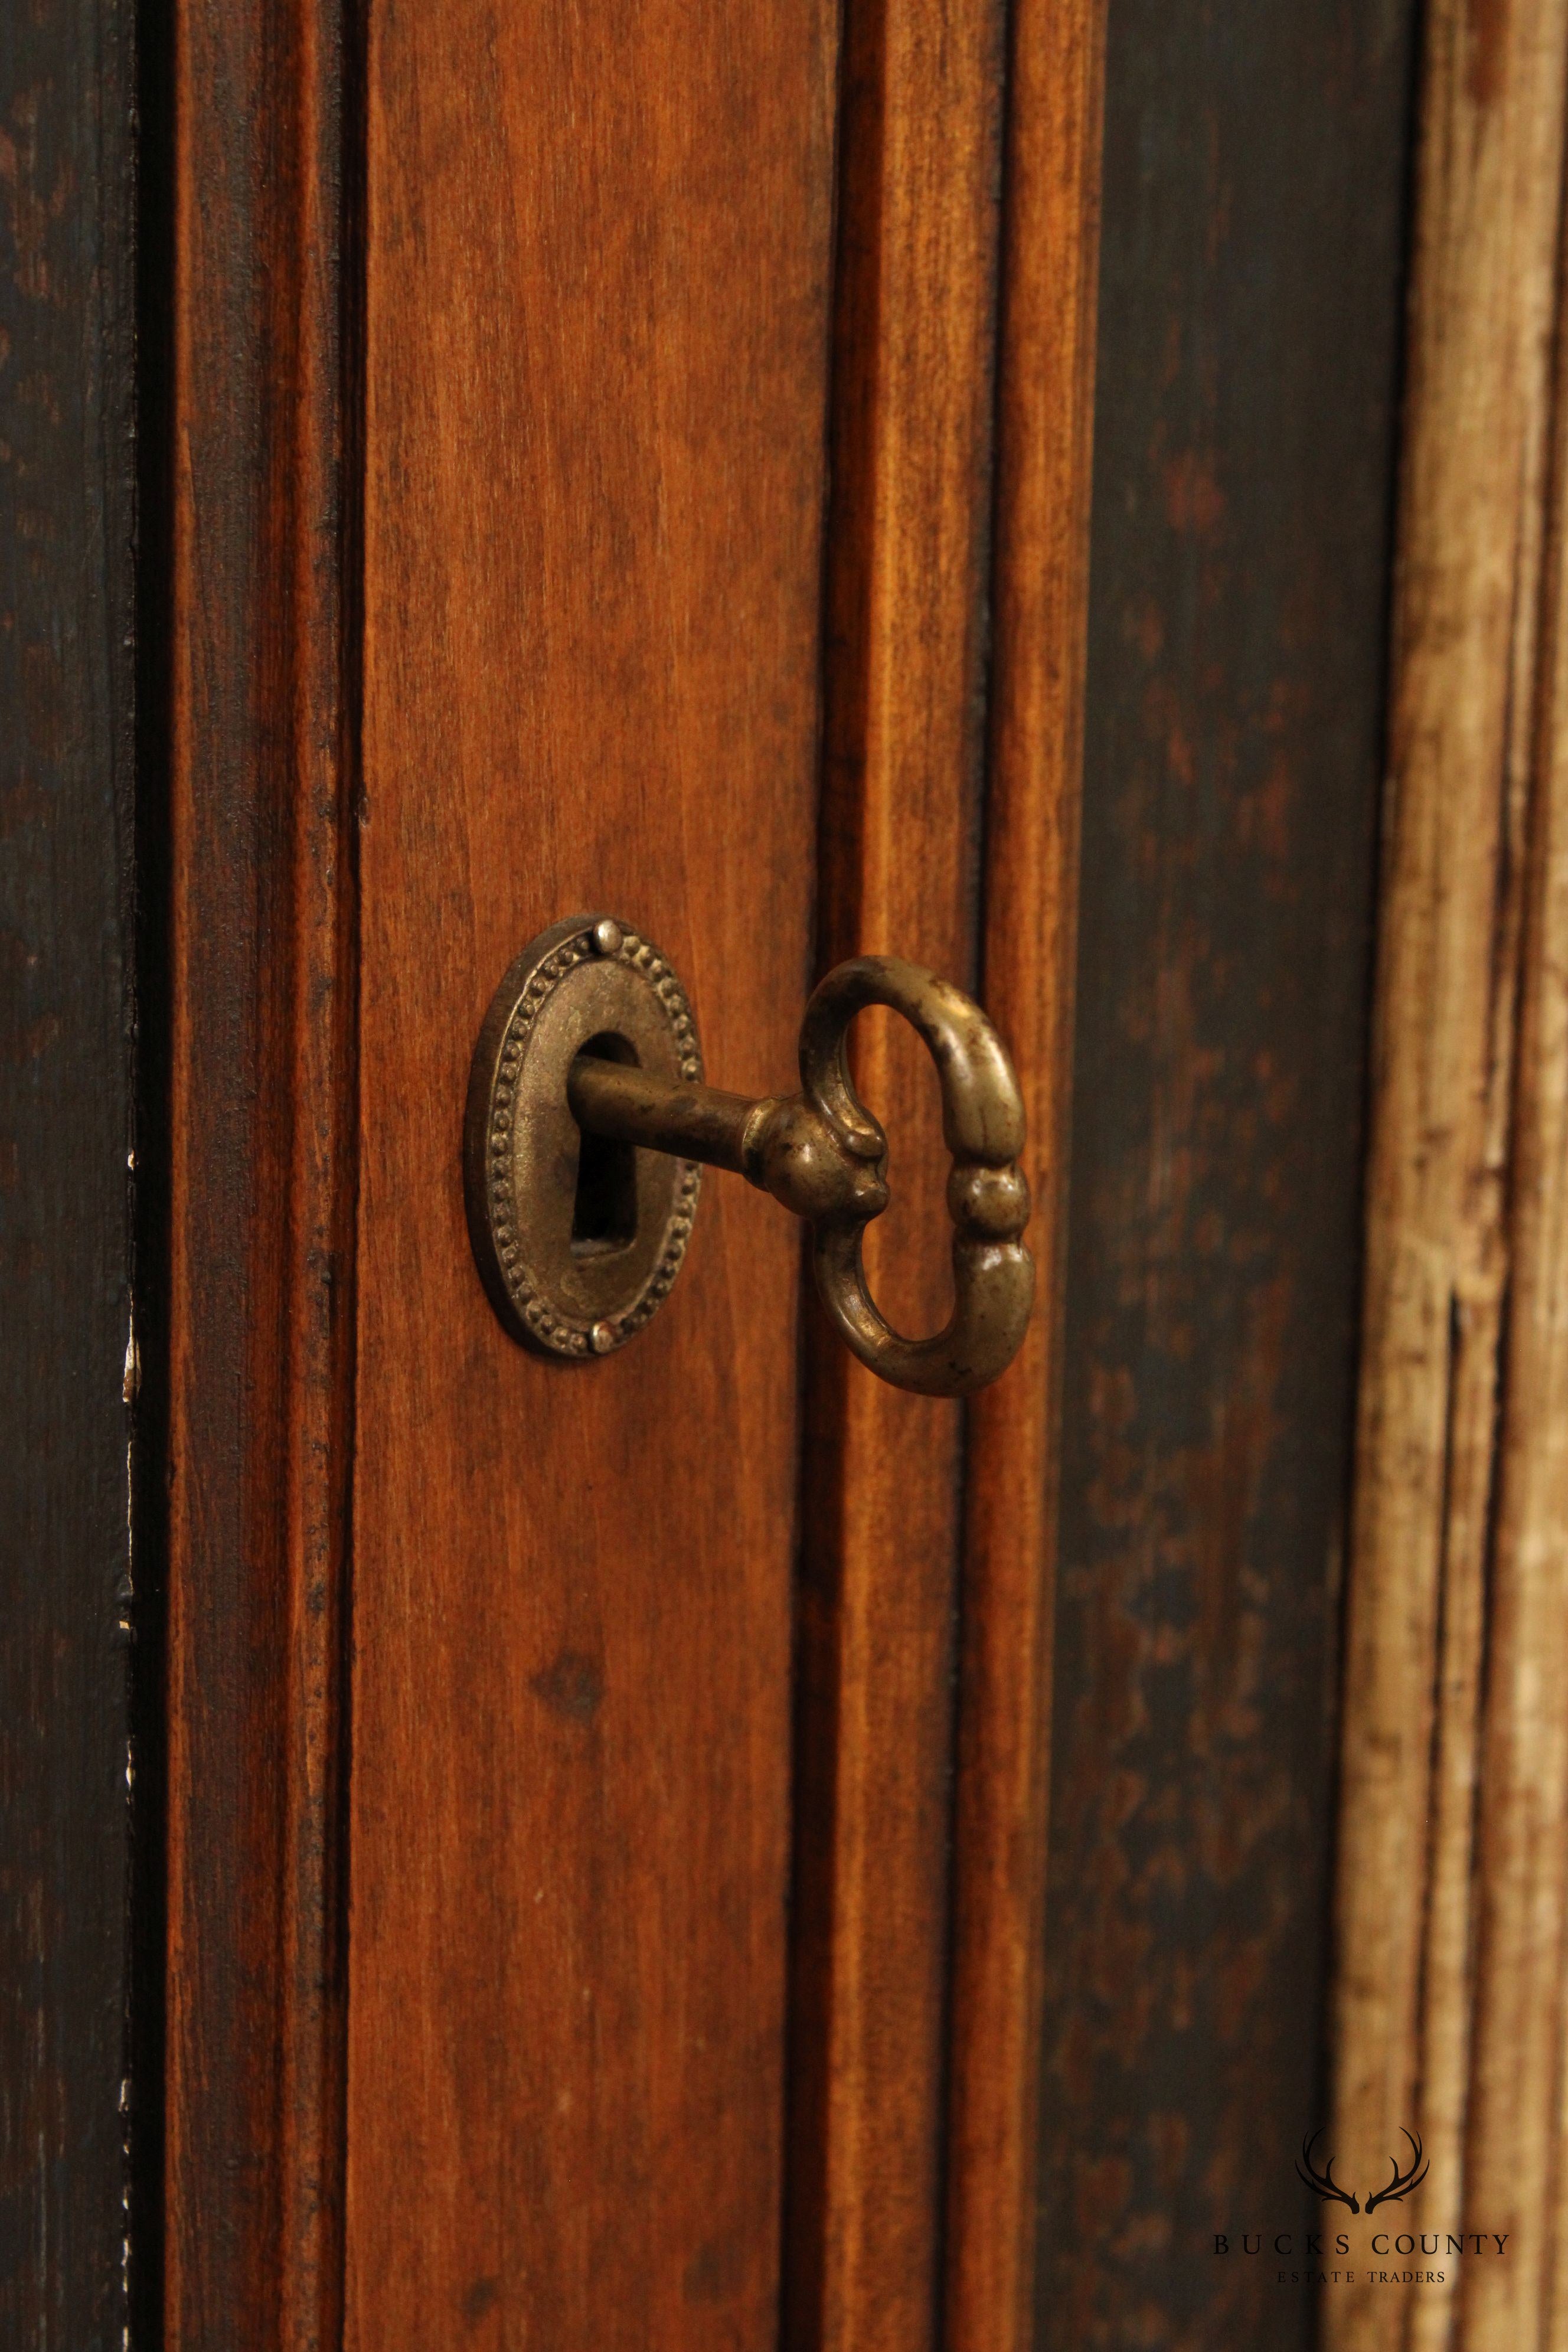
(1441, 1251)
(1515, 2146)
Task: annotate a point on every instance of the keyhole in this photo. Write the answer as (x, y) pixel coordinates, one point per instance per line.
(604, 1211)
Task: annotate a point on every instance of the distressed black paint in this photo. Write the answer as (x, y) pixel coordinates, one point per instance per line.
(66, 513)
(1255, 186)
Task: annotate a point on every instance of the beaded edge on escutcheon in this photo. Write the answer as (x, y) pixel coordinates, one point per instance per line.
(599, 941)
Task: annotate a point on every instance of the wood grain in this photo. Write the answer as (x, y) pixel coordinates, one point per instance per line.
(1250, 298)
(67, 622)
(1445, 1560)
(260, 720)
(1040, 587)
(599, 256)
(1517, 2136)
(908, 560)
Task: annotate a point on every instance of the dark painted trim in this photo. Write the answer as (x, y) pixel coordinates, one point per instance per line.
(67, 509)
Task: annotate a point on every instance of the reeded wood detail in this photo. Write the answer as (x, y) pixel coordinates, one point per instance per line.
(1043, 471)
(1449, 1990)
(920, 134)
(911, 2085)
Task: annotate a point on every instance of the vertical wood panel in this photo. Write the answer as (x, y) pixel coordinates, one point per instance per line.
(907, 575)
(596, 336)
(260, 1175)
(1449, 1997)
(895, 2055)
(1250, 300)
(1516, 2139)
(1521, 2029)
(66, 1600)
(1045, 417)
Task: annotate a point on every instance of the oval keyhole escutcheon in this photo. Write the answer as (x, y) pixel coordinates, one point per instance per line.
(578, 1237)
(587, 1122)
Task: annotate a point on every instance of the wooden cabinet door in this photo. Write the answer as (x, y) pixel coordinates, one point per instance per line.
(507, 1853)
(626, 459)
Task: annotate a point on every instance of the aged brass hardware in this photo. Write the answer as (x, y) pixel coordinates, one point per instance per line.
(588, 1121)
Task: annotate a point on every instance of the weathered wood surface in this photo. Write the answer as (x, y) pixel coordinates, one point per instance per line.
(1449, 1997)
(66, 815)
(1250, 301)
(597, 328)
(1517, 2132)
(259, 836)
